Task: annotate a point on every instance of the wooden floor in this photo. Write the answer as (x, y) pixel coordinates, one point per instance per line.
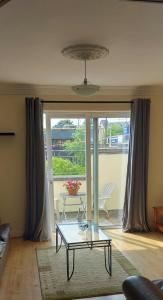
(21, 282)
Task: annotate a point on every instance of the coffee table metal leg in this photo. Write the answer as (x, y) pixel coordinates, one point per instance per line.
(68, 263)
(56, 239)
(57, 234)
(108, 259)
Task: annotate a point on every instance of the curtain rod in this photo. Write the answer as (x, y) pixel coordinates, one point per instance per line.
(57, 101)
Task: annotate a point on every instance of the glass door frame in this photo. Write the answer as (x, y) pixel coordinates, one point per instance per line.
(83, 115)
(91, 205)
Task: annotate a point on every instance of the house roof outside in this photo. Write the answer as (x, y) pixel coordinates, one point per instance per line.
(62, 134)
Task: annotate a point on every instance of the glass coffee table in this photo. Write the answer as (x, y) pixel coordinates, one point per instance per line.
(83, 235)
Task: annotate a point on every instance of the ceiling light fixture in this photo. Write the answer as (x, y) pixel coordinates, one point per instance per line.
(85, 52)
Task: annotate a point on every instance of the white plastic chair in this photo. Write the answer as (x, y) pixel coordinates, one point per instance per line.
(103, 198)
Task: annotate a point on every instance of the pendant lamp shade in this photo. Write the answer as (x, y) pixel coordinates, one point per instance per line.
(85, 52)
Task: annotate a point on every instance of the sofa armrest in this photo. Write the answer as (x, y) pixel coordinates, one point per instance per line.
(5, 230)
(141, 288)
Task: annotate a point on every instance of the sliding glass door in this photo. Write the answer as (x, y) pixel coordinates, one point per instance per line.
(86, 162)
(67, 165)
(110, 142)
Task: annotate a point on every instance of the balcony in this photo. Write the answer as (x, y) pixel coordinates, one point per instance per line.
(117, 164)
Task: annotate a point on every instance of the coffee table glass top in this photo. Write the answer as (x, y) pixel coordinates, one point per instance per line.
(82, 232)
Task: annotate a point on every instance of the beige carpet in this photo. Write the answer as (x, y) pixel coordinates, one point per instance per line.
(90, 278)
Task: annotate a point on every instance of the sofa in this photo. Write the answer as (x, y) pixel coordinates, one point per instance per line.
(141, 288)
(5, 230)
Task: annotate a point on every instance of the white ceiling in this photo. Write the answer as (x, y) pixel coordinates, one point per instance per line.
(33, 33)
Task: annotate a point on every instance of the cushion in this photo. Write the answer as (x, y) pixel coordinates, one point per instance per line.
(5, 232)
(159, 283)
(141, 288)
(2, 248)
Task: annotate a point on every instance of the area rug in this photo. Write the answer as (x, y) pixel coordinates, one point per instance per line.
(90, 278)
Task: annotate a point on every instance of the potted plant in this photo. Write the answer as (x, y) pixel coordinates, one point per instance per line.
(72, 187)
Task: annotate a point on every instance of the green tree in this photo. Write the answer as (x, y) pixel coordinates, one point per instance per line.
(115, 129)
(63, 123)
(77, 147)
(61, 166)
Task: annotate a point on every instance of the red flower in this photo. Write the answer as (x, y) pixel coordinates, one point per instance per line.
(72, 185)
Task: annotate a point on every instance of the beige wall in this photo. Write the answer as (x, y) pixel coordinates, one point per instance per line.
(112, 168)
(12, 157)
(155, 178)
(12, 162)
